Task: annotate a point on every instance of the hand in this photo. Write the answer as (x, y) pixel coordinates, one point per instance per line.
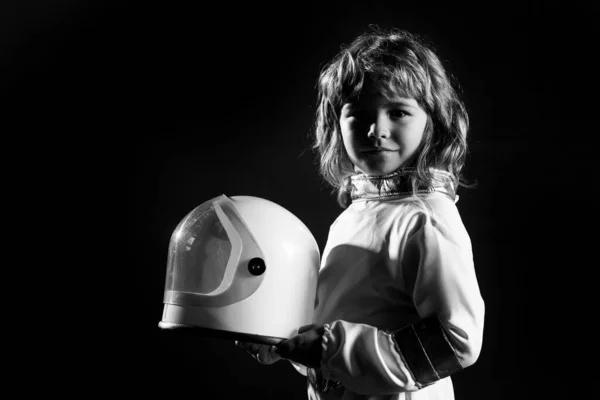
(262, 353)
(304, 348)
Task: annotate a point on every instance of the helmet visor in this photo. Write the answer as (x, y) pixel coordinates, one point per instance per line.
(199, 252)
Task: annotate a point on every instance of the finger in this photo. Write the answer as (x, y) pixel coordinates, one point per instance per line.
(305, 328)
(254, 348)
(267, 356)
(285, 347)
(251, 348)
(242, 345)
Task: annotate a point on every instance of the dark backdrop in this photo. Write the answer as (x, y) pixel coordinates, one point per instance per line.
(178, 103)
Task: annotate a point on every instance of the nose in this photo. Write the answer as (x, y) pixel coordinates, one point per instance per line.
(376, 131)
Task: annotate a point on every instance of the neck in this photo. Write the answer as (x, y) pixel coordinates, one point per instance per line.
(399, 184)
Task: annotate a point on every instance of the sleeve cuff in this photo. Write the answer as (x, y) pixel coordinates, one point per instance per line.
(327, 342)
(315, 376)
(427, 351)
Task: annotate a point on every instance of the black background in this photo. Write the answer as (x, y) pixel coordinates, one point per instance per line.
(167, 105)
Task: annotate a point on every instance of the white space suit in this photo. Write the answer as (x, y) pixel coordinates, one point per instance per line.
(398, 294)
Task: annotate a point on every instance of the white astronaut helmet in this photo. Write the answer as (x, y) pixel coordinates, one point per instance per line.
(243, 268)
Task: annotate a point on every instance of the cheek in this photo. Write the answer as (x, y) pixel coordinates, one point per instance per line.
(419, 134)
(414, 134)
(347, 137)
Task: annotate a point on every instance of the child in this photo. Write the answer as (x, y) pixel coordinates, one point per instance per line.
(398, 306)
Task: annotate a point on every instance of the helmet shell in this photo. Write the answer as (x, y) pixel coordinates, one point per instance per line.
(241, 267)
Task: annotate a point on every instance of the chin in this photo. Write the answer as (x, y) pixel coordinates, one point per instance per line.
(376, 172)
(379, 170)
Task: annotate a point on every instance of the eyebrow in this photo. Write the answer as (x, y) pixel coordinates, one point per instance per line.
(398, 102)
(388, 103)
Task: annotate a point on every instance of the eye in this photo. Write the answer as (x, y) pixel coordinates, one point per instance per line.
(397, 114)
(357, 114)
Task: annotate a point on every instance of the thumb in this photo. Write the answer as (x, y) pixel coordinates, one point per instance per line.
(283, 348)
(305, 328)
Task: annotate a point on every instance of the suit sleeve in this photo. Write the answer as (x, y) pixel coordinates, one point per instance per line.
(438, 271)
(302, 370)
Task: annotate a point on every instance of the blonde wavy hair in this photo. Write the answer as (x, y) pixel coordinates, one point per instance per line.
(403, 65)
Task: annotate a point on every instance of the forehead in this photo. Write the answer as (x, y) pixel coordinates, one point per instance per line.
(376, 98)
(381, 92)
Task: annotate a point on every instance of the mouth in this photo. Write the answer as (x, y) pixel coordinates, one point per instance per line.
(378, 150)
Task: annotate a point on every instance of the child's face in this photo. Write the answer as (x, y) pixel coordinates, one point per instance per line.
(381, 134)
